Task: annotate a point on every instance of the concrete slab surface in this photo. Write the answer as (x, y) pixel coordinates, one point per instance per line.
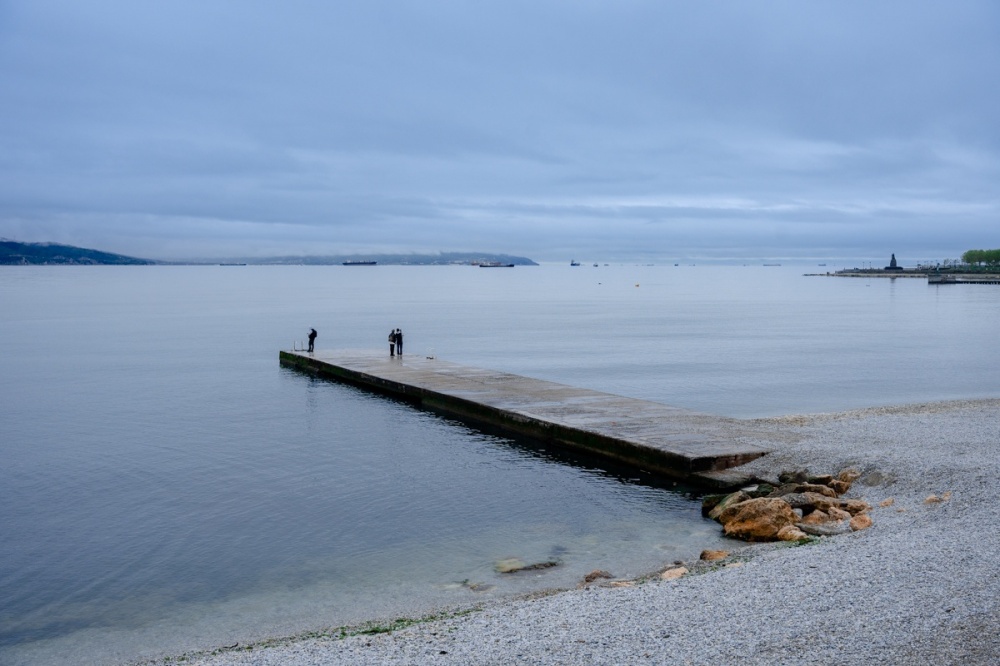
(649, 435)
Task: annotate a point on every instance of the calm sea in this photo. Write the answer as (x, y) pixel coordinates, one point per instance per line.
(165, 485)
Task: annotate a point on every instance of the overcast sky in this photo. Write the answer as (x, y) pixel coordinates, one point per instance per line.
(553, 129)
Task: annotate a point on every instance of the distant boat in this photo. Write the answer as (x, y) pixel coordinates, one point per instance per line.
(494, 264)
(595, 265)
(574, 263)
(360, 263)
(772, 264)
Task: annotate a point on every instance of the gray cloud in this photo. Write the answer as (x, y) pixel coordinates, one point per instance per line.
(638, 129)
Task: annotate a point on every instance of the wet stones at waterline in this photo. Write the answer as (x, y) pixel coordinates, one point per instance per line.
(797, 507)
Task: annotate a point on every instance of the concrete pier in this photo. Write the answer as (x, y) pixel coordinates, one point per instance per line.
(647, 435)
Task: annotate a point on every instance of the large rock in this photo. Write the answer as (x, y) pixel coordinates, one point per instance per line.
(818, 517)
(790, 488)
(757, 519)
(811, 501)
(793, 476)
(791, 533)
(816, 488)
(762, 489)
(826, 529)
(855, 506)
(709, 502)
(728, 501)
(838, 486)
(838, 514)
(784, 489)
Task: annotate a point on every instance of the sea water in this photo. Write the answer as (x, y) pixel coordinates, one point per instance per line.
(166, 486)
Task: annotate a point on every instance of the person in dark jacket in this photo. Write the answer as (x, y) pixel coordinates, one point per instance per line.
(392, 342)
(312, 338)
(399, 341)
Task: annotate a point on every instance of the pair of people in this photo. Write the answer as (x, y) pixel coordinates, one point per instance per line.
(395, 342)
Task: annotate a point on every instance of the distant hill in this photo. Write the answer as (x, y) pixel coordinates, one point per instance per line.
(439, 259)
(14, 253)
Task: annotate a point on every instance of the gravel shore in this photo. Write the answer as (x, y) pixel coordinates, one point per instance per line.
(921, 586)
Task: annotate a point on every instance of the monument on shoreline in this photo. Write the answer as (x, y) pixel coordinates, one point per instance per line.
(892, 264)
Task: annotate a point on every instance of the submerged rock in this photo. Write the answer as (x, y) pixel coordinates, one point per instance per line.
(477, 587)
(595, 575)
(513, 564)
(508, 565)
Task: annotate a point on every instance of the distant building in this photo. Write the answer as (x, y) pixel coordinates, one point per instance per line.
(892, 264)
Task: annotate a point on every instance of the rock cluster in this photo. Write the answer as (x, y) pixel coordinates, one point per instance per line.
(798, 506)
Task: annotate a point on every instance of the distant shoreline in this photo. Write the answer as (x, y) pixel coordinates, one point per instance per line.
(15, 253)
(905, 273)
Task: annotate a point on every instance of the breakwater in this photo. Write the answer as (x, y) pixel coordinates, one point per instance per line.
(647, 435)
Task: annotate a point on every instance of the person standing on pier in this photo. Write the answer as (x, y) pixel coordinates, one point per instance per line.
(392, 342)
(312, 338)
(399, 341)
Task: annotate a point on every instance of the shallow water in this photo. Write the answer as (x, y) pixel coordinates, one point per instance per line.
(167, 486)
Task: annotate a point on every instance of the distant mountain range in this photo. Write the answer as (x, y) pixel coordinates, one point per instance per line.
(15, 253)
(439, 259)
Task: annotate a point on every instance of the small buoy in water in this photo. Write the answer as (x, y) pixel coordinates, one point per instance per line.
(637, 284)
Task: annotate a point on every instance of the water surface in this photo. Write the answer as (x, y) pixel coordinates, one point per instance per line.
(167, 486)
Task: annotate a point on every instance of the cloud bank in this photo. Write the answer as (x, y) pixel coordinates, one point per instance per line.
(615, 131)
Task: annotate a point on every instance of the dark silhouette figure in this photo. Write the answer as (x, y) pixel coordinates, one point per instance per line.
(392, 342)
(399, 342)
(892, 264)
(312, 338)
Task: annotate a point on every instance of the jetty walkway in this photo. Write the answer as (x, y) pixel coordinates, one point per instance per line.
(647, 435)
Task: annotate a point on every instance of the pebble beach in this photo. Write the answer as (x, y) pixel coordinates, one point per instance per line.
(921, 586)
